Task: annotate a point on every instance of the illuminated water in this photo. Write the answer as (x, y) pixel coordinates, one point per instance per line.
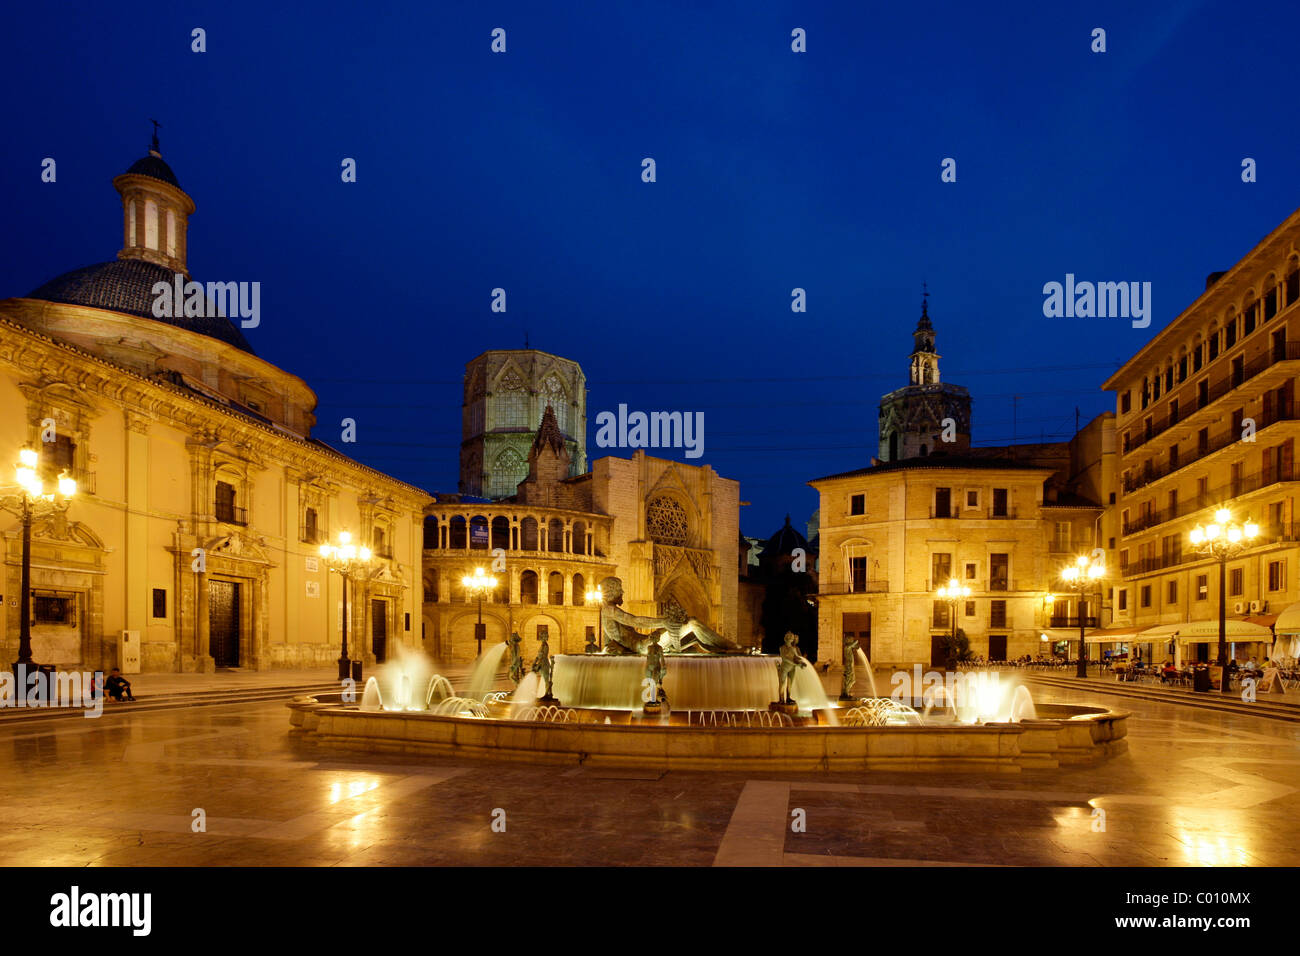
(486, 671)
(692, 682)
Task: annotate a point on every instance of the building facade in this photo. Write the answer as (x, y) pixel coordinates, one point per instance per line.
(1207, 419)
(202, 496)
(506, 392)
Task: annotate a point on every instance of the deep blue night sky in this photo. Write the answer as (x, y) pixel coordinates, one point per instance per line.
(775, 170)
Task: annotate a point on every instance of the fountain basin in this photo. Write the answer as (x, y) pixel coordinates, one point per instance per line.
(1071, 736)
(692, 682)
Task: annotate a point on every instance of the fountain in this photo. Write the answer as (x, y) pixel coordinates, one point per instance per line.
(715, 707)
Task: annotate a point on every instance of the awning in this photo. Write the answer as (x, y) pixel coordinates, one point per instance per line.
(1065, 633)
(1200, 632)
(1288, 622)
(1263, 620)
(1113, 635)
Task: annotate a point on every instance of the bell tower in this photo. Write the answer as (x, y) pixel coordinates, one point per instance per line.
(927, 416)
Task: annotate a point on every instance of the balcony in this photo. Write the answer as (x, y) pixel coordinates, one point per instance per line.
(1216, 391)
(1063, 621)
(854, 587)
(970, 513)
(1230, 436)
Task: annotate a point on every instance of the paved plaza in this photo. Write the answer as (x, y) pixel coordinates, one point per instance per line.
(1196, 788)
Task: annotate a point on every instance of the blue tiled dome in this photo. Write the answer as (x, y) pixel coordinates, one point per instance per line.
(126, 285)
(154, 167)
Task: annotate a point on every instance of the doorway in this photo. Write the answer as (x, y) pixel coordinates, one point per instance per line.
(938, 651)
(379, 629)
(997, 647)
(223, 622)
(858, 625)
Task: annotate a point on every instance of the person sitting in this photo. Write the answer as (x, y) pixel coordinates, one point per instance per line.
(117, 686)
(1168, 673)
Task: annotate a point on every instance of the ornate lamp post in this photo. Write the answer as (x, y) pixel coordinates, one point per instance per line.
(345, 558)
(1081, 577)
(1222, 539)
(31, 500)
(953, 592)
(479, 584)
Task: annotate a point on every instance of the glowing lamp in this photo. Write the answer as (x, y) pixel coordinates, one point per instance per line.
(67, 485)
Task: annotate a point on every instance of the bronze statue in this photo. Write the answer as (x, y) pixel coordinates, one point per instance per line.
(850, 674)
(785, 668)
(542, 666)
(656, 668)
(618, 626)
(592, 647)
(516, 662)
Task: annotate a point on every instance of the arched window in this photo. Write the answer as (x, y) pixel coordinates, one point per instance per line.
(665, 521)
(528, 534)
(555, 588)
(579, 589)
(478, 533)
(553, 394)
(501, 533)
(579, 538)
(528, 587)
(555, 535)
(512, 407)
(508, 469)
(430, 531)
(456, 532)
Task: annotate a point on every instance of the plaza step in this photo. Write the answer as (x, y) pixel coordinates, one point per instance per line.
(173, 701)
(1213, 700)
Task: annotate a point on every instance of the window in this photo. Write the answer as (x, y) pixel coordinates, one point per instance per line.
(940, 569)
(972, 569)
(858, 575)
(1144, 596)
(997, 614)
(943, 502)
(1111, 545)
(970, 608)
(225, 504)
(1248, 321)
(972, 498)
(1173, 412)
(1276, 575)
(858, 505)
(1112, 497)
(1123, 599)
(528, 587)
(1126, 402)
(940, 618)
(159, 602)
(1214, 345)
(1236, 582)
(1169, 378)
(309, 526)
(999, 502)
(54, 609)
(999, 567)
(1197, 358)
(1171, 592)
(1061, 540)
(1182, 369)
(1202, 587)
(1230, 334)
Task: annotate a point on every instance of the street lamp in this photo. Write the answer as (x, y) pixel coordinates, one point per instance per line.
(1222, 539)
(953, 592)
(346, 558)
(32, 499)
(479, 583)
(1081, 577)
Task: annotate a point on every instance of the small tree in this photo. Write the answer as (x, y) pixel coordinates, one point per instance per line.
(957, 648)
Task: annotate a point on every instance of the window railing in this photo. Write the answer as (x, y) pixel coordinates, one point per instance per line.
(1235, 379)
(1145, 476)
(230, 514)
(854, 587)
(1064, 621)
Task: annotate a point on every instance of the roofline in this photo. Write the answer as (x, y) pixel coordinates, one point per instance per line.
(281, 432)
(1220, 288)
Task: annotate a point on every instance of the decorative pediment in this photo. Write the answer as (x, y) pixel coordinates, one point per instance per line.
(57, 527)
(240, 546)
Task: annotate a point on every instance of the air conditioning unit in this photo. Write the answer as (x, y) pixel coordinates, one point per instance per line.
(128, 652)
(1239, 608)
(1257, 607)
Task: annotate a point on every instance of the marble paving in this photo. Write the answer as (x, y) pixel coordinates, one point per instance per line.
(1196, 788)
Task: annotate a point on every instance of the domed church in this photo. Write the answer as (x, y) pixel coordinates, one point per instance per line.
(193, 542)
